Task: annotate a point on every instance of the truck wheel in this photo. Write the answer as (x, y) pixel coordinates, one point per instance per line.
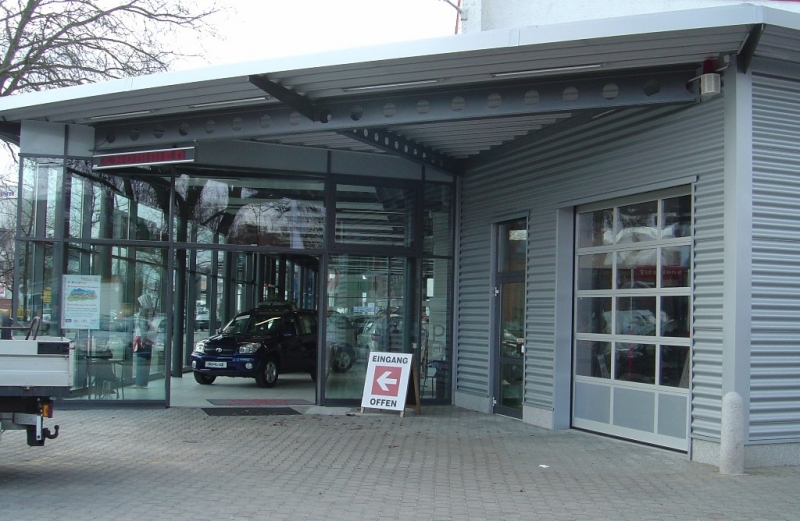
(268, 376)
(204, 379)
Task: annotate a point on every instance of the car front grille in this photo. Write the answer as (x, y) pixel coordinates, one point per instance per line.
(221, 351)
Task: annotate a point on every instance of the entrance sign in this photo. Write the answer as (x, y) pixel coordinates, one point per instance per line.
(386, 384)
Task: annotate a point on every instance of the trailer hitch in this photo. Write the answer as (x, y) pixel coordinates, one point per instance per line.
(50, 435)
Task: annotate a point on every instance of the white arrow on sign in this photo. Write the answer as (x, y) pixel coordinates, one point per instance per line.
(384, 381)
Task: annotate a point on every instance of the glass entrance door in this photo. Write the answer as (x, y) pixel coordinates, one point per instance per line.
(509, 334)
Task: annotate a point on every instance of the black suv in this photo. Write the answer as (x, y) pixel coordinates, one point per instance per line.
(261, 343)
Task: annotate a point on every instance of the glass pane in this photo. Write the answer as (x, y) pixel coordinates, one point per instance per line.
(675, 267)
(636, 269)
(595, 228)
(366, 312)
(594, 272)
(635, 362)
(675, 366)
(512, 319)
(435, 334)
(512, 247)
(593, 315)
(637, 223)
(121, 350)
(38, 288)
(675, 317)
(511, 379)
(41, 184)
(677, 220)
(110, 206)
(374, 215)
(257, 211)
(593, 359)
(636, 316)
(438, 219)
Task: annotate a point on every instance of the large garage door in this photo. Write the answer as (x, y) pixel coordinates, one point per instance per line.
(632, 330)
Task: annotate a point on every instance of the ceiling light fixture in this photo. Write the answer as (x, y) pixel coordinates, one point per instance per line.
(537, 72)
(121, 115)
(390, 85)
(227, 103)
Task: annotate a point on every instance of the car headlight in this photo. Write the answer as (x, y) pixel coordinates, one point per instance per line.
(200, 347)
(250, 348)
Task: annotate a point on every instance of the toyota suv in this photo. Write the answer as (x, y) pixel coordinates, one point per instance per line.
(260, 343)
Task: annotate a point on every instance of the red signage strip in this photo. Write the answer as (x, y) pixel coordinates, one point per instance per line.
(144, 158)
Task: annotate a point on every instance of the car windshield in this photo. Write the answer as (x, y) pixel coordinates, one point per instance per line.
(255, 324)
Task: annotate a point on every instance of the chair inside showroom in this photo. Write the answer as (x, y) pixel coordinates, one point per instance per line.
(105, 381)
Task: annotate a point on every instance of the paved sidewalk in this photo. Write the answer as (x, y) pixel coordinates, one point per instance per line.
(448, 463)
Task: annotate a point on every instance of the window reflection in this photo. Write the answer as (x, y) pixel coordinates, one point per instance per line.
(635, 362)
(374, 215)
(125, 353)
(636, 269)
(264, 211)
(675, 366)
(677, 220)
(595, 228)
(675, 267)
(637, 222)
(512, 252)
(41, 182)
(593, 359)
(593, 315)
(594, 272)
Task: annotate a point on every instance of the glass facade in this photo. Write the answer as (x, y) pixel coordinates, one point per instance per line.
(148, 261)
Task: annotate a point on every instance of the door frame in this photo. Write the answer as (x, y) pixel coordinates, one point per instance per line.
(498, 278)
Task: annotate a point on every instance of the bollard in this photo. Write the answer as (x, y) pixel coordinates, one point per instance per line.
(732, 435)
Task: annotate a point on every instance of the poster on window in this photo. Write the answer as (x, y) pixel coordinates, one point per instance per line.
(81, 304)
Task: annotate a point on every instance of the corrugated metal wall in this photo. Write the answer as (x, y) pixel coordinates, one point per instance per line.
(632, 149)
(775, 355)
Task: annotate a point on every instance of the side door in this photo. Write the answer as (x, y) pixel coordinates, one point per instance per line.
(509, 317)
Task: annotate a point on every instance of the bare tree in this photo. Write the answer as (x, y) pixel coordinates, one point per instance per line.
(59, 43)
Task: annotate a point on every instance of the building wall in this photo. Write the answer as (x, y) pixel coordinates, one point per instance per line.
(634, 152)
(483, 15)
(775, 353)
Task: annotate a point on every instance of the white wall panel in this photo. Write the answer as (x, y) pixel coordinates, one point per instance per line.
(775, 352)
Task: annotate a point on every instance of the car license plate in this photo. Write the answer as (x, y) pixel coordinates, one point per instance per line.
(216, 365)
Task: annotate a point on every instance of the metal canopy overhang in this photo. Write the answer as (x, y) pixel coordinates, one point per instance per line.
(424, 98)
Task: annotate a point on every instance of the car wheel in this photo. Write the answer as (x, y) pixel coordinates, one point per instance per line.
(204, 379)
(343, 359)
(268, 376)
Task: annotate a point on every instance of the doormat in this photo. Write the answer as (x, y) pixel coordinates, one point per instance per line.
(251, 411)
(256, 401)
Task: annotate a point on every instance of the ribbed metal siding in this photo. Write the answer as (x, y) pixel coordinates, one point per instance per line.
(775, 352)
(634, 148)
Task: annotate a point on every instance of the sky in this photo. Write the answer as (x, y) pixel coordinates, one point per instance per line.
(260, 29)
(256, 29)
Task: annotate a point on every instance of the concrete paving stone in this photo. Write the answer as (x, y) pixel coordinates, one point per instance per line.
(445, 464)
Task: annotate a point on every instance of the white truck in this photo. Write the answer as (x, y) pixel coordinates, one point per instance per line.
(33, 372)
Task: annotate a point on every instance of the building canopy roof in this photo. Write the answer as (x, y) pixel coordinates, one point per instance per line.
(454, 97)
